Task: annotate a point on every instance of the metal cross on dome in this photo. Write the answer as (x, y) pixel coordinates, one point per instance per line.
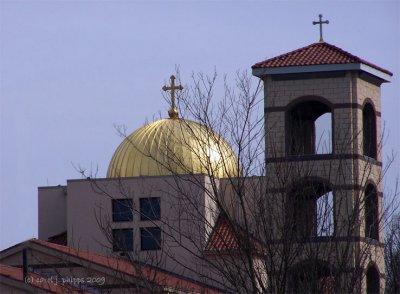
(173, 113)
(320, 22)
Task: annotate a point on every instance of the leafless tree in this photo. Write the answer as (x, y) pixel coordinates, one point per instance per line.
(392, 255)
(289, 230)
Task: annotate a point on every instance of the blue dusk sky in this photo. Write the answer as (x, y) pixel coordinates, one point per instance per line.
(71, 70)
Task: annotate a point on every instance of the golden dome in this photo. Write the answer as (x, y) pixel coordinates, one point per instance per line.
(173, 146)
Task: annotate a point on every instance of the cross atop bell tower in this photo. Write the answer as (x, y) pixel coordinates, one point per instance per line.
(320, 22)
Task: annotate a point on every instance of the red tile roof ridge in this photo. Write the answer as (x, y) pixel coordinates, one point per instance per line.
(297, 58)
(158, 275)
(224, 238)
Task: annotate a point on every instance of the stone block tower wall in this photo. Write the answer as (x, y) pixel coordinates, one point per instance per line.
(328, 203)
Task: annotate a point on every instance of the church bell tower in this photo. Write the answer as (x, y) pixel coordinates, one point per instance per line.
(329, 182)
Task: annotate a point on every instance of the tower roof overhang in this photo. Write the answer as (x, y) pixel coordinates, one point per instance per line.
(261, 72)
(316, 58)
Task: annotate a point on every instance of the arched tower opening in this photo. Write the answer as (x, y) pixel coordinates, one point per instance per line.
(310, 128)
(372, 277)
(310, 210)
(371, 212)
(369, 131)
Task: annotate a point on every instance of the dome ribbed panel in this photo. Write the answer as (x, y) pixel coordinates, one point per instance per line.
(173, 146)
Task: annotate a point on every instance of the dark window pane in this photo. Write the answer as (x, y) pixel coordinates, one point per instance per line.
(122, 240)
(122, 210)
(150, 238)
(150, 209)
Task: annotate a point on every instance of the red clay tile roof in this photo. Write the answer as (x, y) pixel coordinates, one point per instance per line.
(224, 238)
(137, 270)
(320, 53)
(37, 281)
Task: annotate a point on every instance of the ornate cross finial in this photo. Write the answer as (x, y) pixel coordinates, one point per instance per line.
(173, 113)
(320, 22)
